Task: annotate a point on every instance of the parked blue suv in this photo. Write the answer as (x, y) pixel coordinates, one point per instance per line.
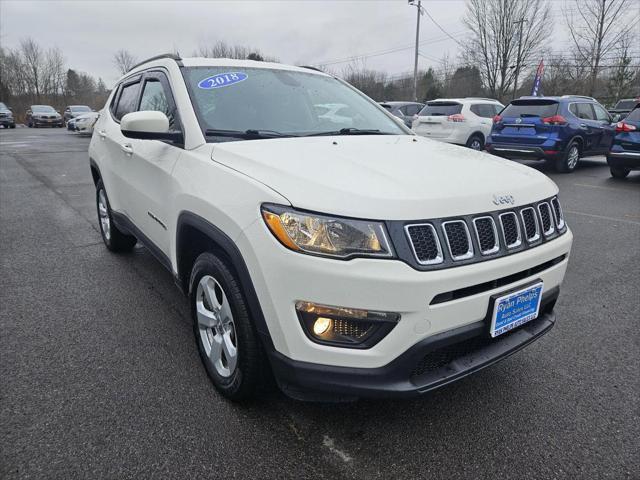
(624, 155)
(559, 130)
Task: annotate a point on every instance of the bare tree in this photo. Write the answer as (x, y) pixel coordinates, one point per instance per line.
(624, 79)
(221, 49)
(33, 65)
(597, 27)
(506, 38)
(124, 61)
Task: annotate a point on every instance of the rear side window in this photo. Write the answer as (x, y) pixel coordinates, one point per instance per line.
(127, 101)
(531, 108)
(441, 108)
(413, 109)
(601, 114)
(583, 111)
(484, 110)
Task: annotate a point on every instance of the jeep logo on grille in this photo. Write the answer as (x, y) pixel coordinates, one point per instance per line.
(503, 200)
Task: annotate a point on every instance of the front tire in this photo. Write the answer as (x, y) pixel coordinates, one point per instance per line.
(114, 239)
(13, 125)
(475, 142)
(227, 342)
(619, 172)
(569, 160)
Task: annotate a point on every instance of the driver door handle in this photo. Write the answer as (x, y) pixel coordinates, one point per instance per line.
(102, 133)
(583, 126)
(127, 148)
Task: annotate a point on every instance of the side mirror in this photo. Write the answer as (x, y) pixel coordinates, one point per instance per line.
(148, 125)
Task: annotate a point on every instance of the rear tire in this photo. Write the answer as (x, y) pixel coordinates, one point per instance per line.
(227, 342)
(13, 125)
(114, 239)
(618, 172)
(569, 159)
(475, 142)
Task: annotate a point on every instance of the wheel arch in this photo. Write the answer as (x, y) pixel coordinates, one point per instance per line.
(479, 134)
(196, 235)
(95, 171)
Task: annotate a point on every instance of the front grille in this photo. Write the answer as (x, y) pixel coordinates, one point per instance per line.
(510, 229)
(458, 239)
(545, 218)
(486, 234)
(444, 356)
(530, 221)
(557, 213)
(443, 243)
(425, 243)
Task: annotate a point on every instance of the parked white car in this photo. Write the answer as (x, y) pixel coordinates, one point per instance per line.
(463, 121)
(83, 124)
(351, 262)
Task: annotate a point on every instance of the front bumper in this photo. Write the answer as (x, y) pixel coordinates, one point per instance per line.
(47, 123)
(627, 160)
(432, 363)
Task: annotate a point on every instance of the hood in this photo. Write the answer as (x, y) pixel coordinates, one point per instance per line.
(383, 177)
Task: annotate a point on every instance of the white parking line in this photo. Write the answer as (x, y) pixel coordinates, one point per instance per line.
(602, 217)
(603, 188)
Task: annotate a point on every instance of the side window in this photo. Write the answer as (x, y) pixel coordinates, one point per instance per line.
(413, 110)
(157, 97)
(601, 114)
(585, 111)
(475, 108)
(483, 110)
(127, 100)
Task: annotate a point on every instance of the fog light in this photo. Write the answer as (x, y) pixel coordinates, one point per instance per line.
(322, 325)
(344, 327)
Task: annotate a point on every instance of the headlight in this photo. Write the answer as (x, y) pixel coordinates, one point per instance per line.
(327, 236)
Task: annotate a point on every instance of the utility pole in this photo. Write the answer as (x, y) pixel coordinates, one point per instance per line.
(415, 62)
(515, 83)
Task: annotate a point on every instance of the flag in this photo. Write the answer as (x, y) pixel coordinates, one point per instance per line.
(538, 80)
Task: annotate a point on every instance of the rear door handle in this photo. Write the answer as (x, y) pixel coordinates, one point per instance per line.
(584, 126)
(102, 133)
(127, 148)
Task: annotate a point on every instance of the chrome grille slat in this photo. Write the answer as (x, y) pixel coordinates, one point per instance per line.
(425, 243)
(486, 234)
(530, 223)
(557, 213)
(456, 234)
(546, 218)
(510, 230)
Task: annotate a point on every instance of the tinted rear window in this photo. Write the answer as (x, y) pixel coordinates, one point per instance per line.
(634, 116)
(625, 104)
(441, 108)
(530, 108)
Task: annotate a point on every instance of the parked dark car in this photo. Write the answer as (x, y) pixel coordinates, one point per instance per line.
(73, 111)
(560, 130)
(6, 117)
(406, 111)
(43, 115)
(623, 108)
(624, 155)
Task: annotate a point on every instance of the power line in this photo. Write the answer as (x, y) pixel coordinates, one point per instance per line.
(441, 29)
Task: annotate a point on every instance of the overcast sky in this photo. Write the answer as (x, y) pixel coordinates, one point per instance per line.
(295, 31)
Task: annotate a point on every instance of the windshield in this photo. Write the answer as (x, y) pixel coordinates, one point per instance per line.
(440, 109)
(3, 106)
(281, 102)
(80, 108)
(530, 108)
(42, 109)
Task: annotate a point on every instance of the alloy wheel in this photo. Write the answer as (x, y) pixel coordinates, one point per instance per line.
(572, 158)
(216, 326)
(103, 213)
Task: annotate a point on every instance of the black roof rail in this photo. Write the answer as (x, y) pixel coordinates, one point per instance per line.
(171, 56)
(311, 68)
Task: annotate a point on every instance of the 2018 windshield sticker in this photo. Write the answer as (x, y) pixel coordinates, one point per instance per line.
(222, 80)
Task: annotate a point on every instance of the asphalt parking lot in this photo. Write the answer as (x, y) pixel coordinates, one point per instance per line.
(100, 375)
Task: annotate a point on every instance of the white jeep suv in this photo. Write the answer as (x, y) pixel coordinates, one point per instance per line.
(463, 121)
(350, 262)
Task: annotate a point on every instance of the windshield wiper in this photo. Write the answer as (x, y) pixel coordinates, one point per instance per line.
(349, 131)
(246, 134)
